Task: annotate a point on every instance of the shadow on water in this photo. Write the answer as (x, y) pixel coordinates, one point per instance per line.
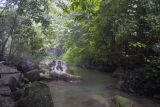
(95, 90)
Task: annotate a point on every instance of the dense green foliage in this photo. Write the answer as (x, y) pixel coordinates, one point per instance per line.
(106, 33)
(23, 24)
(105, 27)
(118, 33)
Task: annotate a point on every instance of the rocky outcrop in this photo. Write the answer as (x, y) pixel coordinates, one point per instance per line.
(36, 94)
(26, 65)
(14, 84)
(6, 101)
(57, 76)
(7, 73)
(33, 75)
(57, 70)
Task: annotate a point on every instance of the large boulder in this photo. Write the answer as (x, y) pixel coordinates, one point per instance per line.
(14, 84)
(6, 102)
(25, 66)
(120, 101)
(16, 87)
(34, 75)
(36, 95)
(18, 94)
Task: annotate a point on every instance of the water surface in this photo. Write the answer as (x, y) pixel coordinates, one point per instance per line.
(95, 90)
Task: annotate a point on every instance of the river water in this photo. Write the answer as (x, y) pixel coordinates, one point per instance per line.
(96, 89)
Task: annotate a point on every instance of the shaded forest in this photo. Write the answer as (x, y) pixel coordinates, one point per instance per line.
(117, 36)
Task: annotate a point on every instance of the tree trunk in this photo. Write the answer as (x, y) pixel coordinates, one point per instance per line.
(2, 52)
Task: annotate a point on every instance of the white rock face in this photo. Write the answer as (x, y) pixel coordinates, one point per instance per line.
(56, 67)
(59, 67)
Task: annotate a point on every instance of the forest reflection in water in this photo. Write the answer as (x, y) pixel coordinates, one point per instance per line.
(95, 90)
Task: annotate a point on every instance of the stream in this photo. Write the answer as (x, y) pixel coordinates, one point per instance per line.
(95, 90)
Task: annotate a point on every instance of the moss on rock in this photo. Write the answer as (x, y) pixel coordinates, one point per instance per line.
(37, 95)
(120, 101)
(33, 75)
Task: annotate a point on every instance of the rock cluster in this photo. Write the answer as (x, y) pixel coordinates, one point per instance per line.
(36, 94)
(7, 73)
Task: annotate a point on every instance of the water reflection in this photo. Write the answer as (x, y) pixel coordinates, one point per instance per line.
(95, 90)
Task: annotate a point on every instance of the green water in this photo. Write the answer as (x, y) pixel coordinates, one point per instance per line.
(95, 90)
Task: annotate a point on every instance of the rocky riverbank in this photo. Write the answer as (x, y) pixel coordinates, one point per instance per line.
(6, 74)
(14, 92)
(20, 86)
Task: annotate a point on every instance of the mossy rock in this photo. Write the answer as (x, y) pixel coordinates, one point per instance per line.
(26, 65)
(15, 84)
(16, 95)
(37, 95)
(120, 101)
(33, 75)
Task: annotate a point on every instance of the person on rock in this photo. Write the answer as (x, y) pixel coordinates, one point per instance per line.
(52, 65)
(59, 66)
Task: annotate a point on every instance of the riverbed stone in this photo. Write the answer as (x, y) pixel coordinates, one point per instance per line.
(120, 101)
(37, 94)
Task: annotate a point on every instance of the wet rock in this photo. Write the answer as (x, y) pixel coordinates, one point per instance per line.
(15, 84)
(57, 70)
(36, 95)
(8, 74)
(6, 101)
(64, 76)
(25, 66)
(57, 76)
(52, 64)
(5, 91)
(9, 64)
(120, 101)
(16, 95)
(7, 70)
(17, 88)
(34, 75)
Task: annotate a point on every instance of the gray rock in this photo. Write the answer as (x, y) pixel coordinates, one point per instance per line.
(120, 101)
(36, 95)
(33, 75)
(6, 101)
(25, 66)
(14, 84)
